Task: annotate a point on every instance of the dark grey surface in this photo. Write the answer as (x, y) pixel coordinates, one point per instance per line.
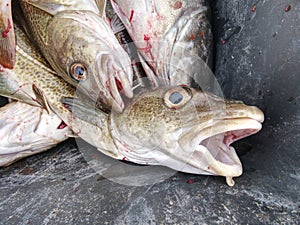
(260, 65)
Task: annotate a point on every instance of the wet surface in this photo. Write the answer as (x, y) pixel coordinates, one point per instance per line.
(257, 61)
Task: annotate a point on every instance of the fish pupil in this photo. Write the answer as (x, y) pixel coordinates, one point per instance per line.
(79, 70)
(176, 98)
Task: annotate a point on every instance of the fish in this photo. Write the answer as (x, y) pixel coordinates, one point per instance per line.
(183, 128)
(173, 38)
(7, 37)
(79, 44)
(34, 82)
(27, 130)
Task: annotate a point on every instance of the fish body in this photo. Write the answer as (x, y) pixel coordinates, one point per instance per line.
(170, 37)
(33, 82)
(80, 46)
(27, 130)
(186, 129)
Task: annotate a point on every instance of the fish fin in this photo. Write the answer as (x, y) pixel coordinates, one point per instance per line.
(101, 4)
(7, 36)
(118, 11)
(83, 110)
(117, 25)
(72, 135)
(41, 98)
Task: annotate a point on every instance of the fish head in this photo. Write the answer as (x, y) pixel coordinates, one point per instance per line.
(169, 35)
(186, 129)
(85, 52)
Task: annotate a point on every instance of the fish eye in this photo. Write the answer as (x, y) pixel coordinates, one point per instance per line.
(78, 72)
(177, 97)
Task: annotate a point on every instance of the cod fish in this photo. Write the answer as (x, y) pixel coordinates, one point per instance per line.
(79, 44)
(171, 37)
(186, 129)
(26, 130)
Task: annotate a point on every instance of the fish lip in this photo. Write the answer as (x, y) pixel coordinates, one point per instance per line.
(211, 145)
(116, 79)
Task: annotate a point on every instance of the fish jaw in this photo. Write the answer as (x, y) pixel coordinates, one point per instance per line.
(27, 130)
(195, 138)
(85, 38)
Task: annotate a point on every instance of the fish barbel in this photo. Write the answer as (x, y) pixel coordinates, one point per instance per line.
(76, 39)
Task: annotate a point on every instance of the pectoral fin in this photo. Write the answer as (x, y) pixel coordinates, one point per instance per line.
(101, 4)
(7, 36)
(84, 111)
(41, 98)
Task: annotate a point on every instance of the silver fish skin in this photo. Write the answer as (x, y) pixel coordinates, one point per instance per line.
(7, 36)
(179, 127)
(27, 130)
(171, 37)
(80, 46)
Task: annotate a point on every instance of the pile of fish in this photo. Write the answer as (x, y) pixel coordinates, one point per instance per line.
(124, 76)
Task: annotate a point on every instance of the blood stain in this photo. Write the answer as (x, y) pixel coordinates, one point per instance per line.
(146, 37)
(119, 84)
(192, 37)
(287, 8)
(62, 125)
(6, 31)
(177, 5)
(191, 181)
(131, 15)
(254, 7)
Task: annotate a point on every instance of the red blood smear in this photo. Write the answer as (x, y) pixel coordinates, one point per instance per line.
(65, 105)
(253, 8)
(119, 85)
(191, 181)
(62, 125)
(192, 37)
(223, 42)
(6, 31)
(177, 5)
(131, 15)
(124, 159)
(287, 8)
(202, 34)
(146, 37)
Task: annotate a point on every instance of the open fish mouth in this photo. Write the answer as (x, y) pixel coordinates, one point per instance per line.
(212, 150)
(117, 81)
